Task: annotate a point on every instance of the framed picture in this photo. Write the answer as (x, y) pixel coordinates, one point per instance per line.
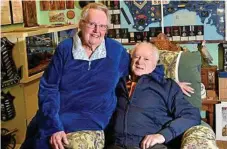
(69, 4)
(221, 121)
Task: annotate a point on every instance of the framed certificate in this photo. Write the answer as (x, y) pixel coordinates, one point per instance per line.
(5, 13)
(17, 11)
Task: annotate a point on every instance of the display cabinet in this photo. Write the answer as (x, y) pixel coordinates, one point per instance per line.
(34, 48)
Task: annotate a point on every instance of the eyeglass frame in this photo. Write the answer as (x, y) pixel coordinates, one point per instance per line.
(94, 25)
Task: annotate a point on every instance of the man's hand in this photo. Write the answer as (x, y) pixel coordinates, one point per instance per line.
(57, 139)
(151, 140)
(186, 89)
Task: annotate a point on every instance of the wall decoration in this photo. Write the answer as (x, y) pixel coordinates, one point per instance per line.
(5, 13)
(221, 121)
(145, 14)
(44, 5)
(60, 5)
(9, 72)
(7, 108)
(69, 4)
(53, 5)
(17, 11)
(29, 13)
(70, 14)
(55, 16)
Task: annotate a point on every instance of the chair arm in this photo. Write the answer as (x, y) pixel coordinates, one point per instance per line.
(199, 137)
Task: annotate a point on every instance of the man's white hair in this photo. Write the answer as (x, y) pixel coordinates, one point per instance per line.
(152, 47)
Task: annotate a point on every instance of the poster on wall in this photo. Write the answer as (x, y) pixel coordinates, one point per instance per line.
(221, 121)
(5, 13)
(44, 5)
(17, 11)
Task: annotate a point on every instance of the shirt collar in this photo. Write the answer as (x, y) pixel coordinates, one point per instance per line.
(80, 54)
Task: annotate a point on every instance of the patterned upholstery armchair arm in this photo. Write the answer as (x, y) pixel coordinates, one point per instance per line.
(199, 137)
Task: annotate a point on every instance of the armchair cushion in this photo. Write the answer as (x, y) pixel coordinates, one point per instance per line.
(199, 137)
(184, 67)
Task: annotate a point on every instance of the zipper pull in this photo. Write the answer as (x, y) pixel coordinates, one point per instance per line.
(89, 65)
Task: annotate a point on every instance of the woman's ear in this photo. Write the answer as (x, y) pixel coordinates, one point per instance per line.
(80, 24)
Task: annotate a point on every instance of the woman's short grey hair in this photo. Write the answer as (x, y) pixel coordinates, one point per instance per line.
(152, 47)
(97, 6)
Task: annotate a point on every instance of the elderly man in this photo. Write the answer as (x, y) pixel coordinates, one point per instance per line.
(151, 112)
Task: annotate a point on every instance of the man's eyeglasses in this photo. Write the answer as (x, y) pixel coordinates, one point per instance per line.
(93, 25)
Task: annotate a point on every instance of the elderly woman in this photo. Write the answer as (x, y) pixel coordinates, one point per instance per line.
(77, 91)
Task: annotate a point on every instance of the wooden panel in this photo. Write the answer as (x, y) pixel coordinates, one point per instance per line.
(31, 98)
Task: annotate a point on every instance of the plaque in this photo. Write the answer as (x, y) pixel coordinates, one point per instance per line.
(70, 14)
(53, 5)
(5, 13)
(69, 4)
(44, 5)
(60, 5)
(17, 11)
(29, 11)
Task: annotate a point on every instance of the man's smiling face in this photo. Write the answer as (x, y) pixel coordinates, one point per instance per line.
(144, 59)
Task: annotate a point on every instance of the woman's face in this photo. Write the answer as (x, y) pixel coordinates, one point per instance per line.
(93, 28)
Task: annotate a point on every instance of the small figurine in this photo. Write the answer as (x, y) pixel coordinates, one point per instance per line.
(206, 57)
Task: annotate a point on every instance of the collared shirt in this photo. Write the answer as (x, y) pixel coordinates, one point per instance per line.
(79, 52)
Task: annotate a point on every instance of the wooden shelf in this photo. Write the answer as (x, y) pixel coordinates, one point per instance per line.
(185, 42)
(25, 32)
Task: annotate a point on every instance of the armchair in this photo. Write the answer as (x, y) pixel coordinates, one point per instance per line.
(185, 67)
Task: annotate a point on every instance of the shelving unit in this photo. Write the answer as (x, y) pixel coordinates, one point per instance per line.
(185, 42)
(26, 92)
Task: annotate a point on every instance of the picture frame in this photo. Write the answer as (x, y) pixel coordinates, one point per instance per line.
(221, 121)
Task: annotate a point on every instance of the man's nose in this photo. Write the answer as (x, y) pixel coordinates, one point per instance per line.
(140, 60)
(97, 28)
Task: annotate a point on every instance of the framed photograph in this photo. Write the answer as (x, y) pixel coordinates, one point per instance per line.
(221, 121)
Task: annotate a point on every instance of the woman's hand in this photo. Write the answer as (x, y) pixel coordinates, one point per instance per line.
(57, 139)
(186, 89)
(151, 140)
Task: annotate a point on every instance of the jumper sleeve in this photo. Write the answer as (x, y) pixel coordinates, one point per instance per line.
(49, 96)
(184, 114)
(124, 63)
